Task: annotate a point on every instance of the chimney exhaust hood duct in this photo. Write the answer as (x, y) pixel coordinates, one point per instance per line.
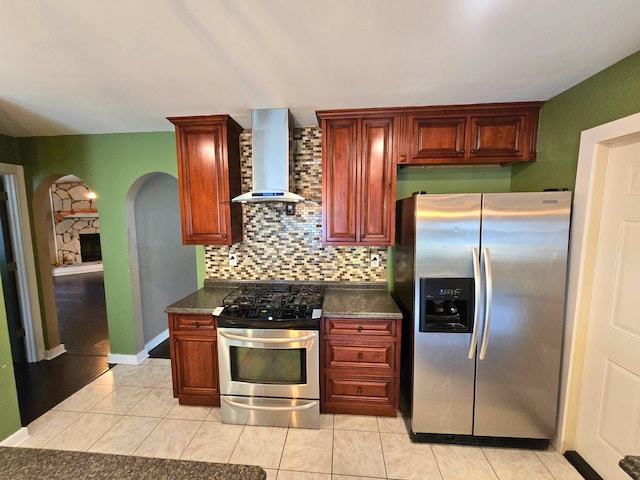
(271, 158)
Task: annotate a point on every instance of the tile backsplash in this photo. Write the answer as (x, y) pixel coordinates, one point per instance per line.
(278, 246)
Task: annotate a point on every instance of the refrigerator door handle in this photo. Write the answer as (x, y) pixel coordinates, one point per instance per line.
(477, 283)
(488, 278)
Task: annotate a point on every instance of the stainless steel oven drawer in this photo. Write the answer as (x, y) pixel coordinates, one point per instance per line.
(273, 412)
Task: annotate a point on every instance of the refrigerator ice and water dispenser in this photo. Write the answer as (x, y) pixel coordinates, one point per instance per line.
(446, 305)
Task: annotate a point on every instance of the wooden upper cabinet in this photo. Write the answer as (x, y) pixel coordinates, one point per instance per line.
(377, 182)
(208, 150)
(358, 179)
(339, 181)
(501, 134)
(437, 137)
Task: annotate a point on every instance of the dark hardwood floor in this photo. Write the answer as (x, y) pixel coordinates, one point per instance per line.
(83, 330)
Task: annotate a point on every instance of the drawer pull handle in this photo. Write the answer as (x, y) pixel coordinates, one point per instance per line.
(359, 356)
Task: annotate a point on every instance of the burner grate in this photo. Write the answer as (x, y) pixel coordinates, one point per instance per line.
(273, 302)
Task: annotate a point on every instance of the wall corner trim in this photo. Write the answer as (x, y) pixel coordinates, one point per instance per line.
(128, 359)
(54, 352)
(16, 438)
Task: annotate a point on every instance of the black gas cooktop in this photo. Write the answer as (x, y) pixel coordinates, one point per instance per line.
(291, 306)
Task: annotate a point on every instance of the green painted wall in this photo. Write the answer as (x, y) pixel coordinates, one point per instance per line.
(9, 150)
(609, 95)
(109, 164)
(10, 416)
(452, 180)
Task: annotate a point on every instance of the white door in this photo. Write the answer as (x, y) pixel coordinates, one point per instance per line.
(609, 413)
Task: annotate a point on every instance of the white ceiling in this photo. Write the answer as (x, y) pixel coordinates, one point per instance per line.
(95, 66)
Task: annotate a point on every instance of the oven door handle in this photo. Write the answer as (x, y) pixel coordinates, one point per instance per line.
(242, 338)
(306, 406)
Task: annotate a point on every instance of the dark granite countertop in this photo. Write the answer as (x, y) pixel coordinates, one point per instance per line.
(358, 301)
(30, 463)
(631, 465)
(201, 302)
(341, 299)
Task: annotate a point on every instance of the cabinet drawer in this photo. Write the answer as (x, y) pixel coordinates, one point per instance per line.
(365, 355)
(349, 389)
(364, 327)
(193, 322)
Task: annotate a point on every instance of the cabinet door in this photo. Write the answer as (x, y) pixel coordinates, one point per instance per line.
(436, 138)
(339, 181)
(204, 190)
(377, 182)
(195, 368)
(497, 137)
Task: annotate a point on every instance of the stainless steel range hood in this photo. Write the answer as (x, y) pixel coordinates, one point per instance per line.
(271, 158)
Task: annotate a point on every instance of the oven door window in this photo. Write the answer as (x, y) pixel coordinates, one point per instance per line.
(268, 366)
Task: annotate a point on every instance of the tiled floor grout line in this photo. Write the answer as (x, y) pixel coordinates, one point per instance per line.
(484, 454)
(435, 458)
(284, 445)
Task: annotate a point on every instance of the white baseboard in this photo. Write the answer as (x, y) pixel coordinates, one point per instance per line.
(80, 268)
(128, 359)
(54, 352)
(16, 439)
(157, 340)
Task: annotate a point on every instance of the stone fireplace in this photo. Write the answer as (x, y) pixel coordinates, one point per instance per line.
(76, 224)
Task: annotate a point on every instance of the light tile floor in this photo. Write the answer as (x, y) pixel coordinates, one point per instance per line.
(130, 410)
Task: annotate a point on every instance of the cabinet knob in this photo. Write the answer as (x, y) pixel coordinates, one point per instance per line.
(359, 356)
(461, 151)
(359, 328)
(359, 390)
(361, 236)
(473, 150)
(353, 236)
(224, 235)
(195, 324)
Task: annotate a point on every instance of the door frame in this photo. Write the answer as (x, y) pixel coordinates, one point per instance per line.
(593, 158)
(22, 244)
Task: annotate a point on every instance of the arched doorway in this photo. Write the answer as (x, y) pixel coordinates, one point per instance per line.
(63, 214)
(163, 270)
(77, 259)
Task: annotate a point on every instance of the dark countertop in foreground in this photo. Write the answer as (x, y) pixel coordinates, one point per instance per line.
(631, 465)
(341, 299)
(30, 463)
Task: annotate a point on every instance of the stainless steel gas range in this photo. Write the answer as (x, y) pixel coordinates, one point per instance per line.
(268, 355)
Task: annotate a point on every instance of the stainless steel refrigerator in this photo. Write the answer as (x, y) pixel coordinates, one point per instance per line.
(481, 279)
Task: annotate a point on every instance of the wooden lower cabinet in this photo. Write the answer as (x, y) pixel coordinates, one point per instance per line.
(194, 359)
(360, 366)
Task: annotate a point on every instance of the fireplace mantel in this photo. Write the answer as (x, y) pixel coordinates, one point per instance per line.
(76, 214)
